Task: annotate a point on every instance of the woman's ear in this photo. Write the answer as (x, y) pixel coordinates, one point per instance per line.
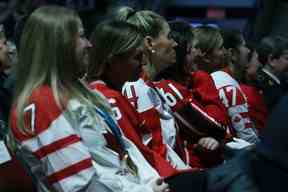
(148, 43)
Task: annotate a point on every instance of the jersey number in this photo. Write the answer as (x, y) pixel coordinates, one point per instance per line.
(170, 99)
(115, 109)
(223, 92)
(30, 116)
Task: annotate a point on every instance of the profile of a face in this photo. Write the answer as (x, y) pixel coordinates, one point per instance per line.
(5, 61)
(162, 50)
(280, 64)
(82, 48)
(242, 57)
(191, 54)
(252, 66)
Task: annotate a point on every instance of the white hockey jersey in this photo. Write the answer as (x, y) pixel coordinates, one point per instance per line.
(158, 117)
(70, 148)
(236, 104)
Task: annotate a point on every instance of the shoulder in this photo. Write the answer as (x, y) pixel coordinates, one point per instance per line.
(200, 79)
(101, 87)
(222, 79)
(200, 75)
(140, 95)
(138, 87)
(40, 112)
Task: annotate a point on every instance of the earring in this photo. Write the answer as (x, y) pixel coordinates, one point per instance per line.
(153, 51)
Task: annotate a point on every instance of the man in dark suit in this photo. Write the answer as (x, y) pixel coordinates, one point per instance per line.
(271, 79)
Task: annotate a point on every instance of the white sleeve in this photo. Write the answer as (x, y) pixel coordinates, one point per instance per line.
(105, 161)
(65, 160)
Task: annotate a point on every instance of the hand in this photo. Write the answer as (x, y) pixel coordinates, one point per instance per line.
(208, 143)
(160, 186)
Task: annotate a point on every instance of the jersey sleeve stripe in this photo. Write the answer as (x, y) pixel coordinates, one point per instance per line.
(57, 145)
(59, 129)
(84, 179)
(70, 171)
(62, 159)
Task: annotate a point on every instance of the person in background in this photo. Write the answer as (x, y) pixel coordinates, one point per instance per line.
(12, 175)
(213, 60)
(5, 64)
(271, 79)
(239, 65)
(182, 86)
(59, 125)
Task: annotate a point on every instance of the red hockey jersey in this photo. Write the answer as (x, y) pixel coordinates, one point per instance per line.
(257, 108)
(202, 94)
(147, 100)
(158, 119)
(236, 104)
(199, 92)
(133, 126)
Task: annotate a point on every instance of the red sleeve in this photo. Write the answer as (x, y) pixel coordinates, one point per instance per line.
(132, 125)
(183, 100)
(206, 94)
(129, 121)
(257, 108)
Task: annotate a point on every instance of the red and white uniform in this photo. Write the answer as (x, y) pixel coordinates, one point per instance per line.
(72, 147)
(258, 111)
(158, 118)
(203, 94)
(132, 125)
(236, 104)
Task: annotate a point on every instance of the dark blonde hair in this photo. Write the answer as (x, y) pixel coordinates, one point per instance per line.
(148, 21)
(207, 38)
(47, 56)
(109, 39)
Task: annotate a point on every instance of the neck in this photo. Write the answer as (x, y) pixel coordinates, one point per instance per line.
(150, 71)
